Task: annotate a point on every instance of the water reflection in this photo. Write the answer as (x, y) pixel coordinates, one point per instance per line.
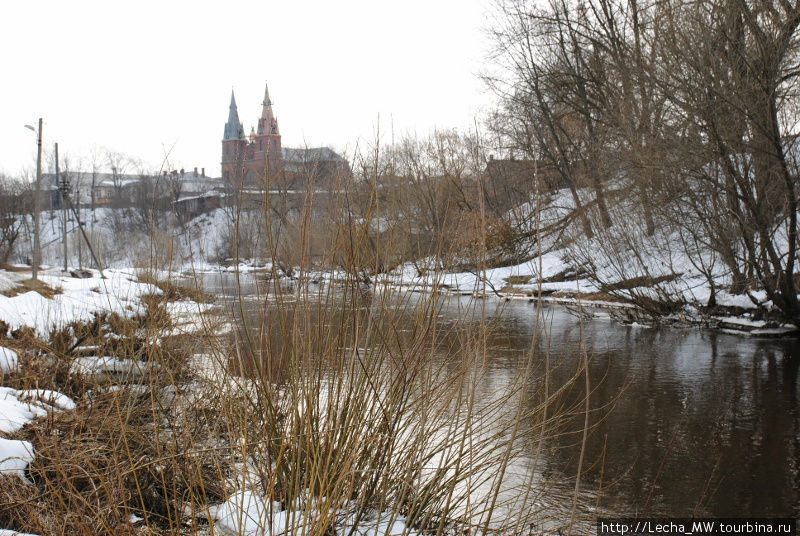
(702, 423)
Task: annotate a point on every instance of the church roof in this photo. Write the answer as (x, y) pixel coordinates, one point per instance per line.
(311, 154)
(233, 128)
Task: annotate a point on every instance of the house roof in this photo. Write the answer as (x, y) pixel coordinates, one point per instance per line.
(85, 178)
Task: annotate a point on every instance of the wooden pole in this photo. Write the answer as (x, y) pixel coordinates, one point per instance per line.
(37, 253)
(63, 187)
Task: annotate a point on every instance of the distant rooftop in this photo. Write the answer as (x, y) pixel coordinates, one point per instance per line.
(311, 154)
(86, 178)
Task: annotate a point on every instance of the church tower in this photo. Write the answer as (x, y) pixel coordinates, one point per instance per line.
(267, 140)
(233, 146)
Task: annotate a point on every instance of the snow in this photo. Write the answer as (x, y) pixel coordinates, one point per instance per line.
(247, 513)
(120, 240)
(80, 300)
(739, 321)
(494, 279)
(384, 525)
(16, 413)
(75, 300)
(187, 316)
(6, 282)
(133, 519)
(9, 360)
(47, 397)
(18, 408)
(105, 364)
(15, 455)
(742, 301)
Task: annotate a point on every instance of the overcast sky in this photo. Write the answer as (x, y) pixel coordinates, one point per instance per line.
(149, 78)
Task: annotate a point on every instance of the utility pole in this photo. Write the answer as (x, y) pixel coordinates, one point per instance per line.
(64, 187)
(37, 200)
(36, 195)
(80, 224)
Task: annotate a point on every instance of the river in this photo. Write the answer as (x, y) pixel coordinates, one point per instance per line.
(684, 422)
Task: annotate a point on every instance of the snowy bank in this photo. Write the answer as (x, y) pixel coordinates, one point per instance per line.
(79, 300)
(74, 299)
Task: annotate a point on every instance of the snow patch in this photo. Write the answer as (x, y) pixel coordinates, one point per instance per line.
(7, 532)
(16, 413)
(18, 408)
(47, 397)
(247, 513)
(15, 455)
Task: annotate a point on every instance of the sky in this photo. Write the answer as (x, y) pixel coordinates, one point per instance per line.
(153, 79)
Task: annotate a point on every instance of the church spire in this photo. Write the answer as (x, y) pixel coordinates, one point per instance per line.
(267, 125)
(233, 128)
(266, 105)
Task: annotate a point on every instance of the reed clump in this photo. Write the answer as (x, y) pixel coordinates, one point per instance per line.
(361, 402)
(174, 291)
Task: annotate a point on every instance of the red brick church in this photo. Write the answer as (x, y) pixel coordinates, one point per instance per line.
(259, 160)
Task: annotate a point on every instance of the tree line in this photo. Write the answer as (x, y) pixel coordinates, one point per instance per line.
(687, 110)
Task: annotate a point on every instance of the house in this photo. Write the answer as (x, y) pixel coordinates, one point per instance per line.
(92, 188)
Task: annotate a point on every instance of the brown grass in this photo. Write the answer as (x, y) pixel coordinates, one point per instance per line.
(11, 268)
(518, 279)
(97, 465)
(174, 291)
(121, 451)
(26, 285)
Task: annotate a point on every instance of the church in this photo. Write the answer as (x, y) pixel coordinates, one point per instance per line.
(258, 160)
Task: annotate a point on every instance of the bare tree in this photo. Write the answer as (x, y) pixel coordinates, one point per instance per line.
(731, 66)
(690, 107)
(12, 208)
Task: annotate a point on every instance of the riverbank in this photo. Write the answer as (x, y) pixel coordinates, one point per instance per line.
(169, 434)
(681, 300)
(665, 283)
(551, 280)
(112, 421)
(80, 353)
(59, 299)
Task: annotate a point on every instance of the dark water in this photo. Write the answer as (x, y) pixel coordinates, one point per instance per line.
(684, 422)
